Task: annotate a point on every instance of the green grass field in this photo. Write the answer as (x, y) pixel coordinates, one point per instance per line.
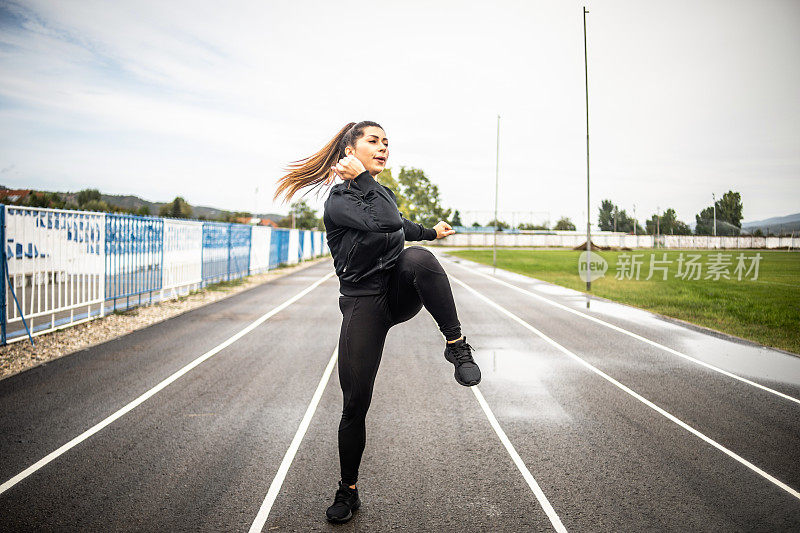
(765, 309)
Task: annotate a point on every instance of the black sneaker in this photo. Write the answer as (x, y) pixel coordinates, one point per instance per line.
(460, 354)
(344, 503)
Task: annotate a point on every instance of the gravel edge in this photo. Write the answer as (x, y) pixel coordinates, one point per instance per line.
(21, 355)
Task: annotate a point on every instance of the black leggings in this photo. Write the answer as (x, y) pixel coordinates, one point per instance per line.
(417, 279)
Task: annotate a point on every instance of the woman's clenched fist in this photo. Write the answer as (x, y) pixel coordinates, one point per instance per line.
(348, 167)
(443, 229)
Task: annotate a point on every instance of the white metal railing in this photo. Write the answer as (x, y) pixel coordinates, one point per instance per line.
(183, 256)
(55, 266)
(259, 249)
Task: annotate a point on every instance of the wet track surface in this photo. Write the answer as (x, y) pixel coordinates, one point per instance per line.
(201, 453)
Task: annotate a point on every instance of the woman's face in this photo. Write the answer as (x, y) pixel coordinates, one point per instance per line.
(372, 149)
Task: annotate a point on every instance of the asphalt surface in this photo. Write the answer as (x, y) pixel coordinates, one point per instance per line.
(201, 453)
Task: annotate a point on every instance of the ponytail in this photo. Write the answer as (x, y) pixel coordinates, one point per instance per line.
(315, 171)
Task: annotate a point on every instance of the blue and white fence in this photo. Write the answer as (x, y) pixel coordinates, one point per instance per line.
(61, 268)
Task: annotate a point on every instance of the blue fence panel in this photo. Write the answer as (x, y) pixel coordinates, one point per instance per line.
(278, 247)
(216, 243)
(239, 264)
(134, 256)
(300, 246)
(284, 251)
(274, 248)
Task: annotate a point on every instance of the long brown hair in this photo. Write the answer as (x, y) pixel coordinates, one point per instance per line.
(315, 171)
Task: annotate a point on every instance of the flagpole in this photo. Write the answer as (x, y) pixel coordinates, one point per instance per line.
(496, 190)
(588, 205)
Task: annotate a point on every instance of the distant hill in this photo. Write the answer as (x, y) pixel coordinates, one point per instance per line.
(198, 211)
(785, 224)
(134, 203)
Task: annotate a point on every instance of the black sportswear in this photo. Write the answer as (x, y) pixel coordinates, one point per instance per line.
(382, 284)
(366, 233)
(417, 279)
(460, 354)
(344, 503)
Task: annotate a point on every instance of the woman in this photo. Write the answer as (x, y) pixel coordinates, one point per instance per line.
(381, 282)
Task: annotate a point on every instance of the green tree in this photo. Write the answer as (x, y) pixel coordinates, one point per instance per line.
(499, 224)
(304, 216)
(667, 223)
(421, 198)
(96, 205)
(526, 226)
(143, 211)
(44, 199)
(729, 216)
(611, 218)
(177, 208)
(387, 179)
(234, 216)
(564, 224)
(729, 208)
(606, 215)
(417, 197)
(87, 195)
(626, 223)
(456, 219)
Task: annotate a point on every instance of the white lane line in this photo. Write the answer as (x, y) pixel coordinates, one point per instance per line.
(141, 399)
(636, 395)
(277, 482)
(630, 334)
(537, 491)
(526, 474)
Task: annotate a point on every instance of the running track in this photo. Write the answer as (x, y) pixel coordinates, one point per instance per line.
(211, 422)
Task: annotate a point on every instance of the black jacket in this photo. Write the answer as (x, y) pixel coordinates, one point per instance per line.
(366, 234)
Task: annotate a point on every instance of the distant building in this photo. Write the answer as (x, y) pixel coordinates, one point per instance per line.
(14, 195)
(267, 222)
(254, 221)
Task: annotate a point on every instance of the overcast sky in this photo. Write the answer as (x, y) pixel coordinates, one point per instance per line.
(211, 100)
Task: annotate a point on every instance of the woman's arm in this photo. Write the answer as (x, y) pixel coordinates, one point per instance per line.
(370, 208)
(418, 232)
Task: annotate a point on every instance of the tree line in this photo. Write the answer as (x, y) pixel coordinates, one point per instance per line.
(418, 199)
(728, 212)
(91, 200)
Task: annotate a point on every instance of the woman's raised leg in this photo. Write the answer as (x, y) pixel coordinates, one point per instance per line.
(419, 280)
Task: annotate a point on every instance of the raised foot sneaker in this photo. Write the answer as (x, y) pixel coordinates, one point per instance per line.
(460, 354)
(344, 503)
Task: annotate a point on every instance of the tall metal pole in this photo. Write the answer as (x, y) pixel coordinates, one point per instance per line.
(658, 220)
(588, 208)
(496, 190)
(619, 240)
(715, 213)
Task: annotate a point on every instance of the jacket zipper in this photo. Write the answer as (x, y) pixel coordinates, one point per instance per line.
(349, 257)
